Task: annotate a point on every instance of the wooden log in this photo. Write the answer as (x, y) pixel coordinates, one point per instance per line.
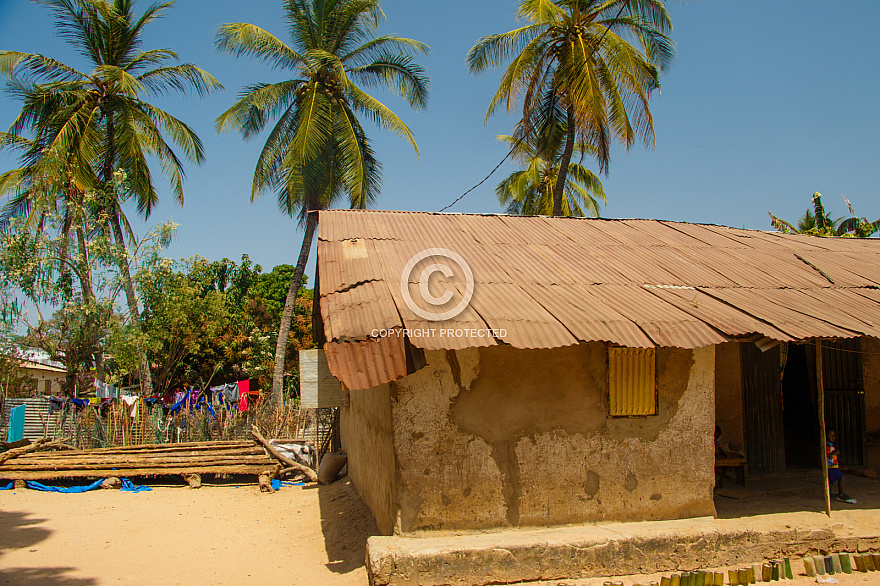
(253, 460)
(144, 461)
(265, 483)
(194, 480)
(308, 472)
(88, 454)
(132, 473)
(41, 444)
(820, 386)
(286, 471)
(210, 446)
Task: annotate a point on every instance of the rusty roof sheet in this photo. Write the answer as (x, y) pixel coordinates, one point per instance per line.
(544, 282)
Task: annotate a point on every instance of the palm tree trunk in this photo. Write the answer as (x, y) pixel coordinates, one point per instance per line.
(559, 188)
(124, 268)
(289, 303)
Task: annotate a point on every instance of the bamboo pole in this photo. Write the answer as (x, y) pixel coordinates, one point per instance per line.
(820, 385)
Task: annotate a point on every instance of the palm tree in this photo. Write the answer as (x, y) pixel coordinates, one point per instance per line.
(530, 190)
(318, 151)
(100, 118)
(45, 189)
(574, 64)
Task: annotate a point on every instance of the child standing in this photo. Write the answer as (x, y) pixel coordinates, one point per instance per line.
(835, 474)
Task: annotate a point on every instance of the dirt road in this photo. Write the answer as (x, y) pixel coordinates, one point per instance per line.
(176, 535)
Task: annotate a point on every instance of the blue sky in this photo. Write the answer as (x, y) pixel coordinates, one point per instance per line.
(766, 103)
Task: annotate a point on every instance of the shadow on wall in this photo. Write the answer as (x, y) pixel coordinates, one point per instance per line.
(346, 523)
(18, 531)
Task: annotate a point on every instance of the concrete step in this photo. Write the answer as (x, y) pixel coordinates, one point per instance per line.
(576, 552)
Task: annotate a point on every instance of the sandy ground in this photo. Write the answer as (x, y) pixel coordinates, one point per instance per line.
(311, 535)
(175, 535)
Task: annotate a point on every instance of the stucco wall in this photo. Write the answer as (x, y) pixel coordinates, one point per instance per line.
(499, 436)
(367, 437)
(728, 395)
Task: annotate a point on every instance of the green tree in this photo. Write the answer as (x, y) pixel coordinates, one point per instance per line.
(318, 151)
(817, 222)
(530, 190)
(182, 318)
(574, 64)
(100, 119)
(856, 226)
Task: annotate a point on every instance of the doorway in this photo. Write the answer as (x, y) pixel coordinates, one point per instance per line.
(844, 403)
(800, 414)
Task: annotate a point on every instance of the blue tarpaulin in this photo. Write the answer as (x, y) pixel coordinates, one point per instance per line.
(9, 486)
(128, 486)
(37, 486)
(277, 484)
(16, 424)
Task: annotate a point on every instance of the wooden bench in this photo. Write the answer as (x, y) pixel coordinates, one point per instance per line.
(738, 463)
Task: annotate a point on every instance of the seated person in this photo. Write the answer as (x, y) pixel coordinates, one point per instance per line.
(723, 452)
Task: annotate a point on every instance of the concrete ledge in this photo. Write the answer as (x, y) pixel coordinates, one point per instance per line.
(574, 552)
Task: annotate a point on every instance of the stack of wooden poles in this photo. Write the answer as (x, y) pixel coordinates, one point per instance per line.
(190, 459)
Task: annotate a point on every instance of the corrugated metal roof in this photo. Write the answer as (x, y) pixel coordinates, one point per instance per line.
(544, 282)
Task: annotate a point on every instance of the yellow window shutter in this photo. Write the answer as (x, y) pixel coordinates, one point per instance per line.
(631, 382)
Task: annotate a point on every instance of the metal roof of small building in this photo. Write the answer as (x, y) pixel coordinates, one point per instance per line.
(542, 282)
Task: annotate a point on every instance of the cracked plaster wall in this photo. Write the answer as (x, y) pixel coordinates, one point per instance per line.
(366, 434)
(498, 436)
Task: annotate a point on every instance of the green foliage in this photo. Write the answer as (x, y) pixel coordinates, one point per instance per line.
(208, 322)
(14, 379)
(84, 127)
(318, 150)
(530, 191)
(817, 222)
(271, 289)
(588, 66)
(99, 120)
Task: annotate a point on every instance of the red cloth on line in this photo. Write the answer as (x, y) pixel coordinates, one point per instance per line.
(243, 386)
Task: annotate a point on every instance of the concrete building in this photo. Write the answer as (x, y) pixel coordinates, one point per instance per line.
(564, 370)
(47, 375)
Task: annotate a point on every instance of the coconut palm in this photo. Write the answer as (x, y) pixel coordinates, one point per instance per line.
(318, 152)
(46, 187)
(574, 63)
(529, 191)
(100, 118)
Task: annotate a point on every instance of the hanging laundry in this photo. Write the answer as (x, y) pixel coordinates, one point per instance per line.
(217, 395)
(16, 424)
(230, 394)
(105, 391)
(242, 394)
(132, 403)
